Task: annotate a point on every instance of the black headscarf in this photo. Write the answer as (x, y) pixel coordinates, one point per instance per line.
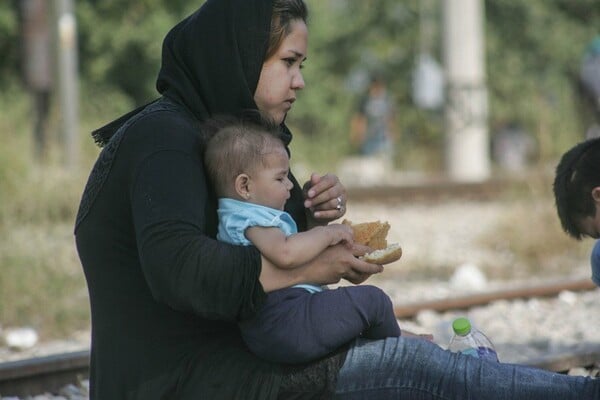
(211, 61)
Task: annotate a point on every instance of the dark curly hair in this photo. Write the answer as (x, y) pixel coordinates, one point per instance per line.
(577, 173)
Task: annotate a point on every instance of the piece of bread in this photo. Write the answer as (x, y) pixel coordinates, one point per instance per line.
(373, 234)
(384, 256)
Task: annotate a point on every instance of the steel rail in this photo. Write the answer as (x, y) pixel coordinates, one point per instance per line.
(436, 189)
(478, 299)
(33, 376)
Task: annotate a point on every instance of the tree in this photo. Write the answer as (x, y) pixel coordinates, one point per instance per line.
(533, 50)
(120, 42)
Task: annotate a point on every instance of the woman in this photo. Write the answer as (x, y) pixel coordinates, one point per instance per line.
(165, 295)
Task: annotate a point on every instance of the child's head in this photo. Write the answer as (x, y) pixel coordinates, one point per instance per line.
(247, 161)
(577, 190)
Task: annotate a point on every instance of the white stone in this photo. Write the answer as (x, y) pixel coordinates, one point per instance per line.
(568, 297)
(468, 276)
(20, 338)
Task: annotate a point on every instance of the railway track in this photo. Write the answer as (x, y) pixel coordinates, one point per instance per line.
(30, 377)
(465, 302)
(435, 189)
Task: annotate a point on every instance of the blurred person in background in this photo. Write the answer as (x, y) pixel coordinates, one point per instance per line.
(513, 149)
(36, 64)
(373, 126)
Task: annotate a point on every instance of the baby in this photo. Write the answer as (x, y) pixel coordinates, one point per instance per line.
(248, 164)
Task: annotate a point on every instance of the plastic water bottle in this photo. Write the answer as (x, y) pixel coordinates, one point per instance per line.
(468, 340)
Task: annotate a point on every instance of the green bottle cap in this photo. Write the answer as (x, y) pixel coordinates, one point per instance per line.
(461, 326)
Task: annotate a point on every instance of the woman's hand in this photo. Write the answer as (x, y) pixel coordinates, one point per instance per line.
(332, 265)
(340, 262)
(324, 199)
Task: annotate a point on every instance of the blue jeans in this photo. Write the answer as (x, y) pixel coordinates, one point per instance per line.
(415, 369)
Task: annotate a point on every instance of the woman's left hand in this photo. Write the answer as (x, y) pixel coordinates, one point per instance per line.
(324, 198)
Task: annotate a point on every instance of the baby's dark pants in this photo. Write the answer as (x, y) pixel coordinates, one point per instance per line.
(295, 326)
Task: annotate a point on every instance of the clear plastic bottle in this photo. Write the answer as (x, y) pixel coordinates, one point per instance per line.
(468, 340)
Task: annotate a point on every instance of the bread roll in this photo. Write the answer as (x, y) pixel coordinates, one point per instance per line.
(384, 256)
(373, 234)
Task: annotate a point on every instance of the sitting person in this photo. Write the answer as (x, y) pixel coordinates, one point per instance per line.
(166, 297)
(577, 195)
(248, 166)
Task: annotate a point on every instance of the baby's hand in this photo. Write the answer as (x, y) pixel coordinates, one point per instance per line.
(340, 233)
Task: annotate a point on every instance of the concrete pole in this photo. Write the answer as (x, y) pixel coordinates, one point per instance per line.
(466, 110)
(68, 79)
(37, 65)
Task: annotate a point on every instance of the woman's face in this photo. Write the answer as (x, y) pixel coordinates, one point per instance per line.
(280, 76)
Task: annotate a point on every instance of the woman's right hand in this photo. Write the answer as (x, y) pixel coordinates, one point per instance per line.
(340, 262)
(332, 265)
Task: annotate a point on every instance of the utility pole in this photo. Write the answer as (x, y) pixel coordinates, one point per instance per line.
(466, 110)
(68, 79)
(428, 77)
(36, 65)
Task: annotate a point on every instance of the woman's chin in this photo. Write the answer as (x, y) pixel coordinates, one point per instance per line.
(280, 119)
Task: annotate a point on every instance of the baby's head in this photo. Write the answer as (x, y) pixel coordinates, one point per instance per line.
(247, 160)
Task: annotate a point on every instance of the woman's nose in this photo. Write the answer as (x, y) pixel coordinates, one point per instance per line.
(298, 81)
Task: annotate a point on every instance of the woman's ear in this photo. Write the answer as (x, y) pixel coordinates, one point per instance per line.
(242, 186)
(596, 194)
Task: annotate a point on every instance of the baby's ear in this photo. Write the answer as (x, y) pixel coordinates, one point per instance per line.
(596, 194)
(242, 186)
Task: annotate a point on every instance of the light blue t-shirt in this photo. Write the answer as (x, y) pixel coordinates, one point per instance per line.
(236, 216)
(595, 261)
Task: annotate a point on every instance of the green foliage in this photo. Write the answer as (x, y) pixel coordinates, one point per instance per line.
(348, 41)
(533, 52)
(120, 42)
(8, 43)
(13, 157)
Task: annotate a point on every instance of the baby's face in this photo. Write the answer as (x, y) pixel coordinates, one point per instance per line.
(269, 185)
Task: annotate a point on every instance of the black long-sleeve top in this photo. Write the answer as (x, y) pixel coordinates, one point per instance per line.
(164, 295)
